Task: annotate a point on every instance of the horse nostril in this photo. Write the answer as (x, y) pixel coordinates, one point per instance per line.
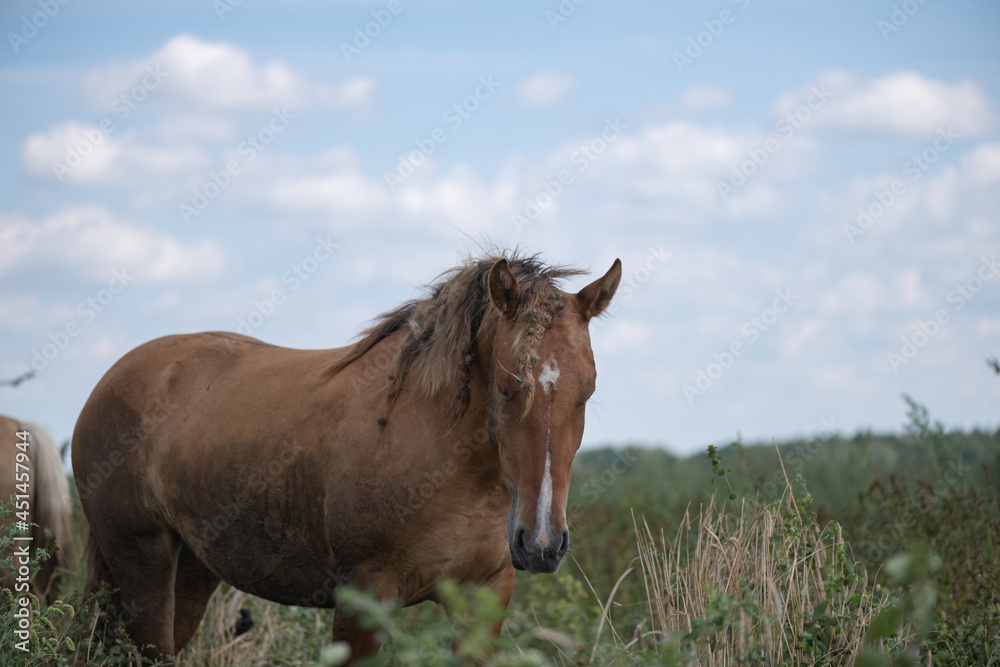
(519, 540)
(565, 543)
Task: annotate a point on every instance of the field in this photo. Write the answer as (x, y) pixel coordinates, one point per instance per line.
(871, 549)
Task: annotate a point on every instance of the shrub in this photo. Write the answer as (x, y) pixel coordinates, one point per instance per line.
(959, 518)
(751, 583)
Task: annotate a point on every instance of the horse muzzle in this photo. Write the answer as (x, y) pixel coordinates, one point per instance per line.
(535, 549)
(527, 554)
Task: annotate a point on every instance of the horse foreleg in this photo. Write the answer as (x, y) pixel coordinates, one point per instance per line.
(347, 628)
(503, 586)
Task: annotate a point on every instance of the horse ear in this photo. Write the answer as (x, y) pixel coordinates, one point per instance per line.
(596, 296)
(504, 290)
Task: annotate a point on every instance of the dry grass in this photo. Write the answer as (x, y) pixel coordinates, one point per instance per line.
(744, 582)
(279, 636)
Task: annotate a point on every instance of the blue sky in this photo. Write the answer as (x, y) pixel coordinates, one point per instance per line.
(191, 166)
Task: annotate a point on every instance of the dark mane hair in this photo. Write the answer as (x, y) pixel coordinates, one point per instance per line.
(438, 333)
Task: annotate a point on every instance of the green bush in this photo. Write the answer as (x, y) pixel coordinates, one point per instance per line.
(957, 515)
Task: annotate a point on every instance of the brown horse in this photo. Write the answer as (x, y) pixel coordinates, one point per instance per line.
(39, 483)
(438, 445)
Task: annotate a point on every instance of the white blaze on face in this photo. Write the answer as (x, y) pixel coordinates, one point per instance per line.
(549, 375)
(547, 378)
(544, 505)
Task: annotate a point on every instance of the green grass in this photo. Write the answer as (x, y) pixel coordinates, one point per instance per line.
(881, 549)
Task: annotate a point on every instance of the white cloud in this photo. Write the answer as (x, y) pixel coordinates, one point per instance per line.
(355, 93)
(545, 89)
(988, 326)
(905, 103)
(674, 164)
(982, 164)
(88, 241)
(337, 191)
(20, 313)
(624, 334)
(806, 330)
(678, 162)
(332, 182)
(202, 85)
(705, 98)
(76, 153)
(458, 195)
(219, 76)
(195, 127)
(335, 185)
(958, 198)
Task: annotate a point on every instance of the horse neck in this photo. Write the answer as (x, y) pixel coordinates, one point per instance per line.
(466, 440)
(471, 439)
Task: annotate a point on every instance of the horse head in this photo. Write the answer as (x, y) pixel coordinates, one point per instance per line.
(541, 376)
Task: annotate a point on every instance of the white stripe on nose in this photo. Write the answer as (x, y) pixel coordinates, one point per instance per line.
(544, 508)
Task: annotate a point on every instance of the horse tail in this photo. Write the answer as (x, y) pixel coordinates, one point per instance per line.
(52, 508)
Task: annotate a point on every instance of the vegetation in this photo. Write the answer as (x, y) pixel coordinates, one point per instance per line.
(872, 549)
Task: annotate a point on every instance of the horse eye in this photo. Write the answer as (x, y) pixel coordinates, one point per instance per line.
(503, 393)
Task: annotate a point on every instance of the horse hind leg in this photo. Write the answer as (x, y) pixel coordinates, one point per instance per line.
(193, 588)
(142, 566)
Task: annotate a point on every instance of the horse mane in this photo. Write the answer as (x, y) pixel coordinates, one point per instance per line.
(439, 332)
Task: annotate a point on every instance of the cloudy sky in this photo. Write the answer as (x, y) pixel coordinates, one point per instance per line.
(805, 195)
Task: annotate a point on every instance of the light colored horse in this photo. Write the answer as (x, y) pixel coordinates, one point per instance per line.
(438, 445)
(43, 493)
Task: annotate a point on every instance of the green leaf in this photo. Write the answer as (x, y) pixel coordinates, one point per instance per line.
(884, 624)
